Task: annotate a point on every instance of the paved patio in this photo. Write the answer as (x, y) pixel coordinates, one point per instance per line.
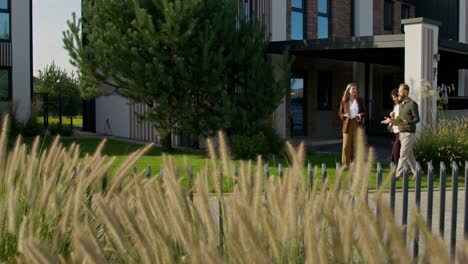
(382, 146)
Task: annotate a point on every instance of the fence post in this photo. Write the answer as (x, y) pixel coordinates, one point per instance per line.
(465, 224)
(418, 208)
(453, 228)
(176, 172)
(104, 183)
(404, 219)
(280, 171)
(379, 175)
(430, 193)
(148, 172)
(266, 170)
(310, 177)
(220, 208)
(324, 173)
(443, 176)
(379, 184)
(236, 174)
(60, 111)
(190, 176)
(134, 172)
(338, 168)
(392, 188)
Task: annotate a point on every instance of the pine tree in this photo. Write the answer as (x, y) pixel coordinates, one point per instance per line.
(199, 65)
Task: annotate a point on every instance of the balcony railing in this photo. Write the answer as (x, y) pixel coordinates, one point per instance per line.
(5, 54)
(260, 9)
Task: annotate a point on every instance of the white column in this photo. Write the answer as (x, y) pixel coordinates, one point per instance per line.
(22, 57)
(278, 23)
(462, 22)
(462, 37)
(462, 82)
(363, 17)
(421, 46)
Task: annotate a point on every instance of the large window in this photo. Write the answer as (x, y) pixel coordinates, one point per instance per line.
(388, 16)
(5, 20)
(296, 114)
(323, 19)
(297, 19)
(5, 84)
(324, 88)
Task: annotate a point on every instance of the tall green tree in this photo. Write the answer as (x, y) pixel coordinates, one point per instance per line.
(199, 65)
(62, 89)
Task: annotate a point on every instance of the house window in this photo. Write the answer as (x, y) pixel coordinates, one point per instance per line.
(324, 88)
(5, 20)
(297, 19)
(5, 84)
(388, 16)
(405, 13)
(296, 113)
(323, 19)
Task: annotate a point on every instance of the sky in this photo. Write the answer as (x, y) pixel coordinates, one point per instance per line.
(49, 21)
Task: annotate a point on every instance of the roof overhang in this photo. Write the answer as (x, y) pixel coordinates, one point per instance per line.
(453, 53)
(379, 49)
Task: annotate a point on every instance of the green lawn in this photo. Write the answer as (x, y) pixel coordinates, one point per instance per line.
(77, 120)
(183, 159)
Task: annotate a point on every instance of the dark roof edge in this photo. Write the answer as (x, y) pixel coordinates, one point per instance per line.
(420, 20)
(453, 46)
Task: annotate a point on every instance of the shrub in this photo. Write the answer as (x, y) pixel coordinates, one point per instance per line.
(248, 147)
(64, 130)
(266, 142)
(275, 141)
(448, 142)
(30, 128)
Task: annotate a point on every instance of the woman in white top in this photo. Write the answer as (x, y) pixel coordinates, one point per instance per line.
(352, 112)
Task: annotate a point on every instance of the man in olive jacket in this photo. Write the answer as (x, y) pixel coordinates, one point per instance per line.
(409, 112)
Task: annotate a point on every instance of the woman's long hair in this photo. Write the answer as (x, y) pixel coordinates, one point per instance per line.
(345, 97)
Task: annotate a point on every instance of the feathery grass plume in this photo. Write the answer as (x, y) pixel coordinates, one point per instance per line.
(152, 221)
(224, 153)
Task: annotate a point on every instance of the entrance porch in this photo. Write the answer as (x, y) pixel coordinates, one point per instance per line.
(377, 64)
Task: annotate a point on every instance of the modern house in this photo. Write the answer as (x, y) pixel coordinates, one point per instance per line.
(16, 57)
(374, 43)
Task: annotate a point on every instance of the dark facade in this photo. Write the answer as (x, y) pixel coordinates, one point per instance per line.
(445, 11)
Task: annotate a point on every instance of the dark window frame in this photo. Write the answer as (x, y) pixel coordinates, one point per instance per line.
(10, 84)
(327, 16)
(7, 11)
(388, 27)
(329, 91)
(300, 75)
(303, 12)
(403, 8)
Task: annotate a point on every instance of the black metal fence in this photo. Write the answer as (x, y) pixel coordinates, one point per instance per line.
(418, 192)
(58, 110)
